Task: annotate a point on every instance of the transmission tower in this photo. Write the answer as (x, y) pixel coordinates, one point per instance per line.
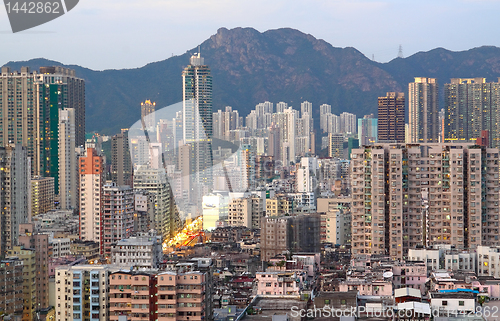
(400, 52)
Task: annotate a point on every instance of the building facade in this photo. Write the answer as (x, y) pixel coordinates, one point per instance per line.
(11, 295)
(424, 110)
(27, 256)
(82, 292)
(68, 170)
(471, 106)
(142, 252)
(117, 215)
(121, 162)
(391, 117)
(15, 201)
(33, 101)
(91, 201)
(28, 238)
(406, 196)
(299, 233)
(42, 195)
(197, 123)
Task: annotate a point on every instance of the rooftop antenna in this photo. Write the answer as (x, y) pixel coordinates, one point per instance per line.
(400, 53)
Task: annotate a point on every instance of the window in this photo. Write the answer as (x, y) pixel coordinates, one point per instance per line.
(461, 303)
(327, 301)
(444, 303)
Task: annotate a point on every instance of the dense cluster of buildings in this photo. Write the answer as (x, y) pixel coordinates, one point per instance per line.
(192, 214)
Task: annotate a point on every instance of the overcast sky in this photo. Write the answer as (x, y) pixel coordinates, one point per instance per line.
(115, 34)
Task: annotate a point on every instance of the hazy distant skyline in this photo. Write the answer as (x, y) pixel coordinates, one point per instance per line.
(116, 34)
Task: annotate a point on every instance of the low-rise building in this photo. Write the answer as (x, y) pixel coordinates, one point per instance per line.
(279, 283)
(488, 261)
(87, 249)
(367, 287)
(431, 257)
(142, 252)
(460, 260)
(451, 303)
(59, 247)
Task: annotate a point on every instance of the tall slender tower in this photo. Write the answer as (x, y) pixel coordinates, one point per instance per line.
(15, 205)
(391, 118)
(424, 111)
(121, 164)
(147, 115)
(67, 164)
(91, 183)
(197, 122)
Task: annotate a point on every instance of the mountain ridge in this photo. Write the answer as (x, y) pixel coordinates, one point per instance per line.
(249, 67)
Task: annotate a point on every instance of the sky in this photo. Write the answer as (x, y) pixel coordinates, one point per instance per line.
(116, 34)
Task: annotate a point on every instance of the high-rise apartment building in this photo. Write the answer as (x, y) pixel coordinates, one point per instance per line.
(181, 294)
(166, 215)
(391, 118)
(336, 145)
(117, 215)
(289, 233)
(324, 111)
(19, 105)
(335, 220)
(422, 195)
(471, 106)
(121, 162)
(42, 195)
(148, 115)
(307, 175)
(348, 123)
(28, 238)
(30, 107)
(27, 255)
(68, 170)
(91, 201)
(11, 295)
(247, 167)
(197, 123)
(240, 212)
(14, 196)
(367, 130)
(306, 107)
(423, 110)
(225, 121)
(286, 123)
(82, 292)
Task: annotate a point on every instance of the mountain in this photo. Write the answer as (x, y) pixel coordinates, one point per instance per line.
(250, 67)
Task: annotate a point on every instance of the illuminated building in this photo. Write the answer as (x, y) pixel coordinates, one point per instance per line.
(42, 195)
